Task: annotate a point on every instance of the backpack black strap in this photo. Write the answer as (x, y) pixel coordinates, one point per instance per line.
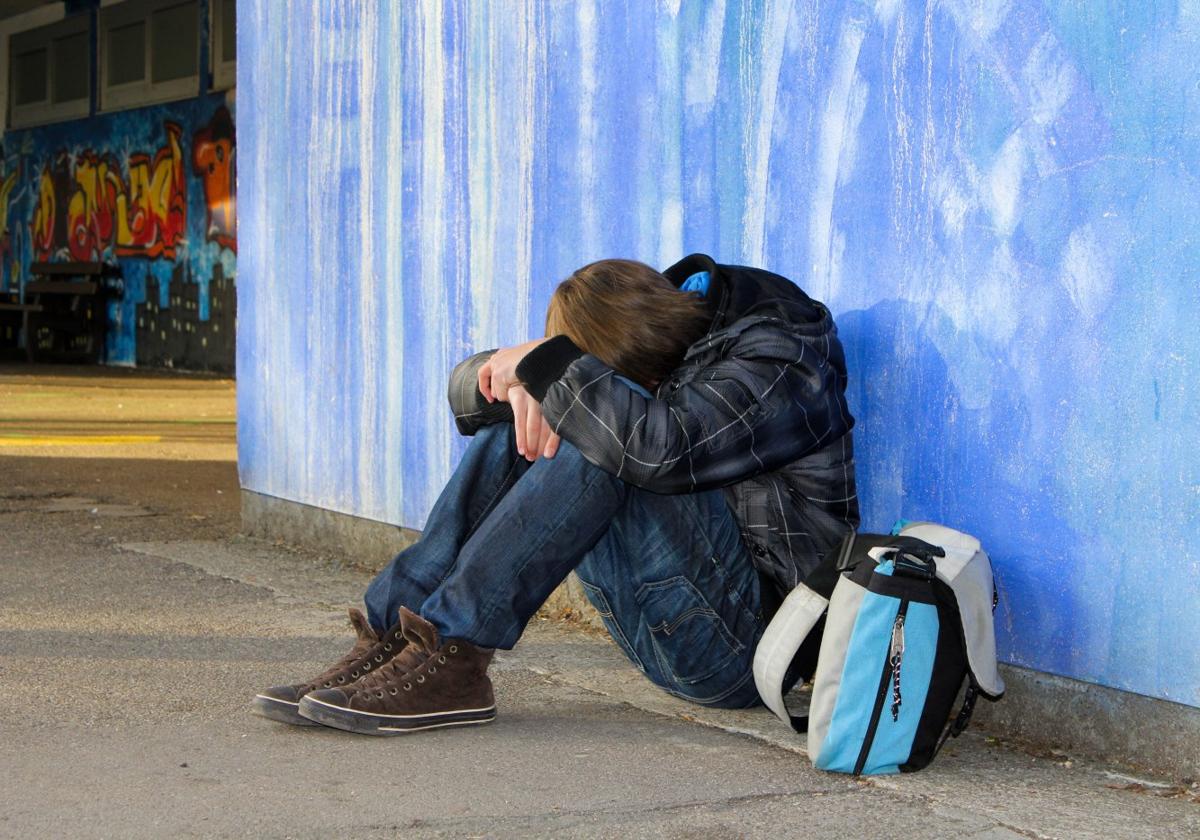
(959, 724)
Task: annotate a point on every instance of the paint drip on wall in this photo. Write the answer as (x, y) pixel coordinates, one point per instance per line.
(998, 201)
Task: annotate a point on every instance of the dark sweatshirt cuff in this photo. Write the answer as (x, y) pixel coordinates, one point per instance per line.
(545, 364)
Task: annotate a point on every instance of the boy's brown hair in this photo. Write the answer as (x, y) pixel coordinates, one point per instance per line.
(629, 316)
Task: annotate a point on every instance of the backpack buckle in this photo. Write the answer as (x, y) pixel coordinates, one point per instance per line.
(914, 558)
(914, 566)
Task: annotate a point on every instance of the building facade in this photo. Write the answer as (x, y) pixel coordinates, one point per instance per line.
(120, 148)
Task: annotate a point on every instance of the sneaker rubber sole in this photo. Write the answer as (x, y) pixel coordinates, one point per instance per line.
(366, 723)
(280, 710)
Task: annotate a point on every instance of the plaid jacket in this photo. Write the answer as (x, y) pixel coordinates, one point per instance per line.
(757, 408)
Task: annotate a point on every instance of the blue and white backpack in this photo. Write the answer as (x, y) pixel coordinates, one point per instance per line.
(907, 619)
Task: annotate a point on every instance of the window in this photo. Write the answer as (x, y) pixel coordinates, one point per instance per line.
(149, 52)
(50, 75)
(223, 44)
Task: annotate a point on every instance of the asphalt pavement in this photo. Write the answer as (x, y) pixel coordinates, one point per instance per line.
(136, 625)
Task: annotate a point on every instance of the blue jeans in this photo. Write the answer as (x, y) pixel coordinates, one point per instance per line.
(669, 575)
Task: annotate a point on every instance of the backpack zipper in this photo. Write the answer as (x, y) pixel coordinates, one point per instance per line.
(895, 656)
(884, 680)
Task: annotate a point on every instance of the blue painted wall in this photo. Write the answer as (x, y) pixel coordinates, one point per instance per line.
(997, 198)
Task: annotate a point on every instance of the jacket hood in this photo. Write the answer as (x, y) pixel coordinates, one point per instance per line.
(738, 291)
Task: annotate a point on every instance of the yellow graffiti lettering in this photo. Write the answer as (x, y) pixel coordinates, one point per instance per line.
(6, 188)
(43, 214)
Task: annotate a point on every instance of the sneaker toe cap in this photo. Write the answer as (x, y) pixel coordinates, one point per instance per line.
(331, 696)
(283, 693)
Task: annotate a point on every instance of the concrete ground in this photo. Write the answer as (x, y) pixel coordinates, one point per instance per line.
(135, 625)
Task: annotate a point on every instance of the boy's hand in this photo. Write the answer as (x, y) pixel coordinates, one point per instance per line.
(499, 373)
(534, 436)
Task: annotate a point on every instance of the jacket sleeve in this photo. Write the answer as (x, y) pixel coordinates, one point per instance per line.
(770, 398)
(471, 410)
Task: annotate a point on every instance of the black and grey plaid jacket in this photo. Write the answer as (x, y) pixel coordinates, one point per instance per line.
(757, 407)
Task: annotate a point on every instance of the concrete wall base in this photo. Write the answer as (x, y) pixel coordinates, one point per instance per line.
(1092, 720)
(1076, 717)
(371, 544)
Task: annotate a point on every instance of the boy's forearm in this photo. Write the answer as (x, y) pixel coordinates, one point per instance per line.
(471, 410)
(546, 363)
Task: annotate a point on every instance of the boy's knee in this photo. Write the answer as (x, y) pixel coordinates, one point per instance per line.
(495, 436)
(569, 455)
(568, 460)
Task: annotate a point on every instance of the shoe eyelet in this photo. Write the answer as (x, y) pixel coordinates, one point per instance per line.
(454, 648)
(388, 646)
(379, 694)
(341, 680)
(432, 669)
(392, 692)
(408, 686)
(441, 660)
(366, 666)
(354, 675)
(379, 657)
(327, 685)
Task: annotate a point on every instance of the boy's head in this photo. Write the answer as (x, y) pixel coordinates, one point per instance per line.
(629, 316)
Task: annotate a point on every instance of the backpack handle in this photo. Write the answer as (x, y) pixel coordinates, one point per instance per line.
(913, 557)
(916, 547)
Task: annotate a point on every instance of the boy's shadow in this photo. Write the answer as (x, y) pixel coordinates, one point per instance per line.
(922, 452)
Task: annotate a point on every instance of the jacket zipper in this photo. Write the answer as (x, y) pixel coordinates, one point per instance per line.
(882, 693)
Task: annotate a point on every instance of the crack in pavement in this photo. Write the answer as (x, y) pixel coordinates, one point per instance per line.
(568, 815)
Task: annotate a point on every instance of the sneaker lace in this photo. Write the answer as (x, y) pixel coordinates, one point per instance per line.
(357, 663)
(408, 659)
(344, 664)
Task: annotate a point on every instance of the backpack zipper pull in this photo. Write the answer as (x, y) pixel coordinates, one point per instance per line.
(895, 657)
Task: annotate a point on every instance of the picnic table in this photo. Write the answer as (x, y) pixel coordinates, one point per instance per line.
(64, 312)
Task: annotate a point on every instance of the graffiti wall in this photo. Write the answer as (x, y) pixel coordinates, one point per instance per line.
(997, 198)
(151, 190)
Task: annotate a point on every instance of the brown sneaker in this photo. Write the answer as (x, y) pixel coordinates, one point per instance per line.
(434, 684)
(280, 702)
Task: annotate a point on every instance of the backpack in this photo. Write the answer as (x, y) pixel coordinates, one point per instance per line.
(907, 618)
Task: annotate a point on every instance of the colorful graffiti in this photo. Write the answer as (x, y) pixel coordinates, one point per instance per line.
(15, 188)
(84, 206)
(150, 191)
(8, 182)
(213, 151)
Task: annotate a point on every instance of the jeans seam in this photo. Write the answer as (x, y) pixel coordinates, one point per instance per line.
(717, 698)
(594, 475)
(713, 671)
(487, 508)
(703, 610)
(745, 678)
(449, 570)
(732, 590)
(720, 564)
(707, 609)
(701, 526)
(670, 627)
(588, 586)
(627, 648)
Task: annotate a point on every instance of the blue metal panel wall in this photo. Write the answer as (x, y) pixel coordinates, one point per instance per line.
(997, 198)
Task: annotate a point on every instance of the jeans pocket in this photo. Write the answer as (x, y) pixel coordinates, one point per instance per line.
(600, 602)
(690, 638)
